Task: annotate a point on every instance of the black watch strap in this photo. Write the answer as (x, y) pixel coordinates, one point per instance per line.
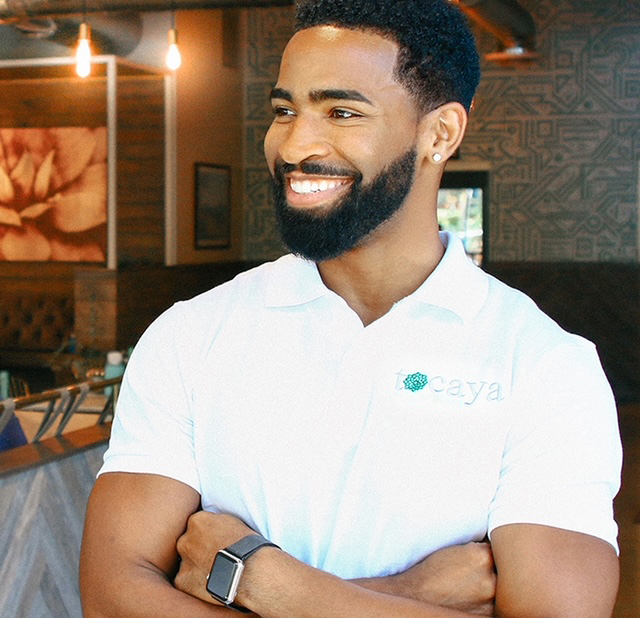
(249, 545)
(241, 550)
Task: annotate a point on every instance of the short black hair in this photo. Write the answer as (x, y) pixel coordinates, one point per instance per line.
(437, 62)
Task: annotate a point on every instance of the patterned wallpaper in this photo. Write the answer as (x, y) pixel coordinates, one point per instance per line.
(267, 32)
(562, 134)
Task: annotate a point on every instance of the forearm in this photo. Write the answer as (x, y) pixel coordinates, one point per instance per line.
(275, 585)
(139, 592)
(460, 577)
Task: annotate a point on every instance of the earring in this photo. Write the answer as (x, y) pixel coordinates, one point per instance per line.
(437, 157)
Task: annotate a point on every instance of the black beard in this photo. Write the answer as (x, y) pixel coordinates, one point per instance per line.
(324, 236)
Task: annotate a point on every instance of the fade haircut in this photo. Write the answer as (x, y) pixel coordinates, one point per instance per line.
(437, 60)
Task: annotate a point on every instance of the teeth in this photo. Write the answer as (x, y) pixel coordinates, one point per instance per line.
(308, 186)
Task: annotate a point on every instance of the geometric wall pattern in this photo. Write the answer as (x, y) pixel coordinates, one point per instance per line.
(561, 133)
(42, 512)
(266, 34)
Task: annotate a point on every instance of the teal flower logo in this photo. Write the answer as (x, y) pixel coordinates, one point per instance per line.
(415, 382)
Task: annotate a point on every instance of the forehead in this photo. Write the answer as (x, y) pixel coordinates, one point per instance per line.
(330, 57)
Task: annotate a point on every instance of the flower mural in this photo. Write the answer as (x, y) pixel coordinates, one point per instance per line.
(53, 194)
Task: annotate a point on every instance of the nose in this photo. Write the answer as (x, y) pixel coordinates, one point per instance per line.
(300, 139)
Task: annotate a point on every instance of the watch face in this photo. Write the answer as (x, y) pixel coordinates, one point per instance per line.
(224, 577)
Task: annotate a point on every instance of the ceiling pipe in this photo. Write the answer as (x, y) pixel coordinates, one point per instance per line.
(117, 34)
(16, 10)
(509, 22)
(34, 28)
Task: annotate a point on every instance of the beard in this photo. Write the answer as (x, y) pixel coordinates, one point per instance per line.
(320, 236)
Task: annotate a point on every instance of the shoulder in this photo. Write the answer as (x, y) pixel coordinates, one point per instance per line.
(192, 322)
(519, 319)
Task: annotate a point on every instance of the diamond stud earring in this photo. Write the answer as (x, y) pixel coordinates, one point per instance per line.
(437, 157)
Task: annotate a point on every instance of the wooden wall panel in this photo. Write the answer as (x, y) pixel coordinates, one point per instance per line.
(60, 102)
(95, 301)
(140, 203)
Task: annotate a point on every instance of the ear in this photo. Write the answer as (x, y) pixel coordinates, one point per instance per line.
(441, 132)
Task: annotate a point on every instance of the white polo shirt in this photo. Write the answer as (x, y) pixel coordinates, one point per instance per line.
(360, 450)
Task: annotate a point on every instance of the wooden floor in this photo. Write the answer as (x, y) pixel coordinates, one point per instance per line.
(628, 515)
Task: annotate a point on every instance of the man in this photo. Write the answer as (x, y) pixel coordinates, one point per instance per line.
(375, 410)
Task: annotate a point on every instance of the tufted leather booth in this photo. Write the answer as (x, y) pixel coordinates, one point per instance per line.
(34, 323)
(38, 322)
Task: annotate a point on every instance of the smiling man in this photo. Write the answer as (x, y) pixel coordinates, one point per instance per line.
(337, 432)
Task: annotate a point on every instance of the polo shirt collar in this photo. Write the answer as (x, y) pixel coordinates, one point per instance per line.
(456, 284)
(294, 281)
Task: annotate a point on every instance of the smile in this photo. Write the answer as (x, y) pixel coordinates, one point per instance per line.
(304, 187)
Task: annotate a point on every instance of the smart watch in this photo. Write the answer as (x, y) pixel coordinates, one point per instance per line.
(224, 578)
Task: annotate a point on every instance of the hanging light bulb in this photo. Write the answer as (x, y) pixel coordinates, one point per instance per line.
(174, 58)
(83, 51)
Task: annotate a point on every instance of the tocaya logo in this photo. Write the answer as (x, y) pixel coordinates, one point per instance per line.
(469, 392)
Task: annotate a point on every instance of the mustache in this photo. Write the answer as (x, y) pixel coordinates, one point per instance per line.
(315, 168)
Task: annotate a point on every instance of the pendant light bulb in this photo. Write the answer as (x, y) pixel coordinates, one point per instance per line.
(83, 51)
(174, 58)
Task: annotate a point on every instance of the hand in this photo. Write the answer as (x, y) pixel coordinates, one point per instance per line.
(461, 577)
(206, 533)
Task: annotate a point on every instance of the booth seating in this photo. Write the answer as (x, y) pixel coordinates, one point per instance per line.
(34, 326)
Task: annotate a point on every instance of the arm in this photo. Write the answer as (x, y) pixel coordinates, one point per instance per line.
(546, 572)
(459, 577)
(543, 572)
(276, 584)
(128, 552)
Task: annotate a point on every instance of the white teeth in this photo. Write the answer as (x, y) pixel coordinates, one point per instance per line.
(307, 186)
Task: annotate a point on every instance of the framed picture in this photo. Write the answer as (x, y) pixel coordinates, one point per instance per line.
(213, 206)
(54, 194)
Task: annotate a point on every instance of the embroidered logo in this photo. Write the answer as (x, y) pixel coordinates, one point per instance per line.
(415, 382)
(465, 391)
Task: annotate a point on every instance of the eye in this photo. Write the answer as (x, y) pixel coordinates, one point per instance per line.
(280, 111)
(344, 114)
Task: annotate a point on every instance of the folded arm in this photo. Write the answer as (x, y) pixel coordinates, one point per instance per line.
(128, 553)
(542, 572)
(458, 581)
(129, 560)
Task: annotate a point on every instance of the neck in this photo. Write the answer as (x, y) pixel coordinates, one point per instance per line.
(372, 278)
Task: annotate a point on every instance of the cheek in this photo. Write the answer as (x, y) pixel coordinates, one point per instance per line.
(271, 142)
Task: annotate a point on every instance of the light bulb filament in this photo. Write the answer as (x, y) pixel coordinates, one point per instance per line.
(83, 51)
(174, 58)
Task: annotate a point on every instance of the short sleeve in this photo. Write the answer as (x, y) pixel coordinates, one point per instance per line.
(153, 427)
(562, 459)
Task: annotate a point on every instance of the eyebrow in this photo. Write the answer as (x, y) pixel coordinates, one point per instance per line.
(317, 96)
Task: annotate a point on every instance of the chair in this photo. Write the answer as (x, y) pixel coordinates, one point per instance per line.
(18, 387)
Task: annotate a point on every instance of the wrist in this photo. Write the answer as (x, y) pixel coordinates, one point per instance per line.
(229, 567)
(259, 579)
